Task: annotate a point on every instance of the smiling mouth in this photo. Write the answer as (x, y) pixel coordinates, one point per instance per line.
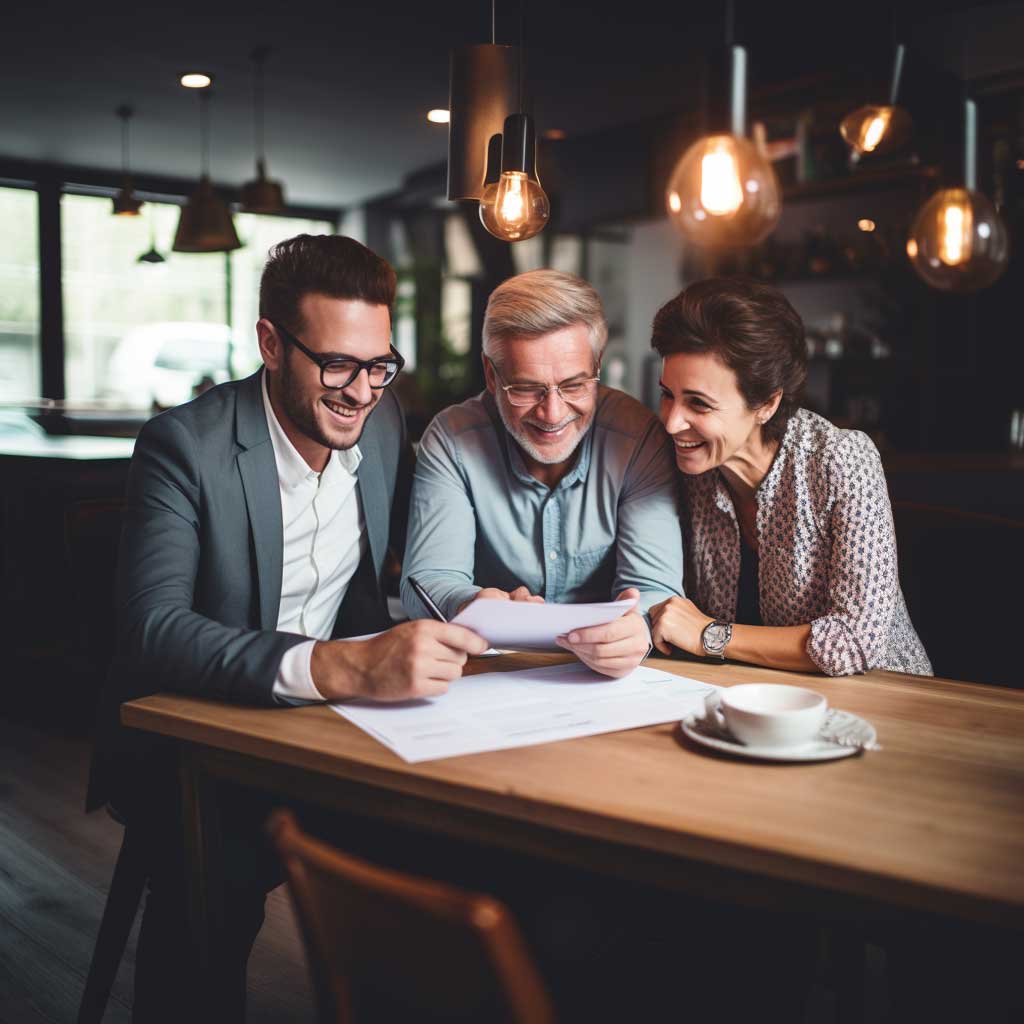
(687, 446)
(551, 431)
(344, 412)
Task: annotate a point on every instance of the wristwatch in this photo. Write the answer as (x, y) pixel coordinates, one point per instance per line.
(715, 638)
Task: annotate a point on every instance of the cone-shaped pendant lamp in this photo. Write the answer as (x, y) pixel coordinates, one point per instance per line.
(205, 224)
(261, 195)
(125, 203)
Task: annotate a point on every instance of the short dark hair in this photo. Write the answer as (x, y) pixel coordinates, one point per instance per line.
(752, 328)
(331, 265)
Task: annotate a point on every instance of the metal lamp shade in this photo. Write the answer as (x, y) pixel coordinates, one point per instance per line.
(205, 224)
(125, 203)
(261, 195)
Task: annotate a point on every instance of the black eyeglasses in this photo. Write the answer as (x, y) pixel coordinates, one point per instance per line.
(337, 372)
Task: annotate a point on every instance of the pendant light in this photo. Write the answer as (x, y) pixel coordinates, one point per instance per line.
(958, 242)
(261, 195)
(125, 203)
(152, 255)
(723, 191)
(878, 129)
(516, 207)
(205, 223)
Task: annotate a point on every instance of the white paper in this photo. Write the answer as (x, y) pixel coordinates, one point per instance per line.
(530, 626)
(500, 710)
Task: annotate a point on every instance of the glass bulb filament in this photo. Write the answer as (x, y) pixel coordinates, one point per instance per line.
(955, 234)
(874, 130)
(721, 193)
(510, 201)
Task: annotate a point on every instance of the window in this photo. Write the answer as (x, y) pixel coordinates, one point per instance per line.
(19, 295)
(123, 320)
(258, 233)
(145, 334)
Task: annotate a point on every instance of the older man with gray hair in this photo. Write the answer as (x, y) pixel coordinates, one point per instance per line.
(547, 486)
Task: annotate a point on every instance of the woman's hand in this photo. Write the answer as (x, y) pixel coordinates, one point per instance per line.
(678, 621)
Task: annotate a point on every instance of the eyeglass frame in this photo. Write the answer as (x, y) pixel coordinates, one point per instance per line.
(547, 387)
(362, 364)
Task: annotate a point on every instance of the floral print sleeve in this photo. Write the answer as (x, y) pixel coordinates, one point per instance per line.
(863, 583)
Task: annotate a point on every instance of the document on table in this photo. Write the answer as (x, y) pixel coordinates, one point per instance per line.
(526, 626)
(499, 710)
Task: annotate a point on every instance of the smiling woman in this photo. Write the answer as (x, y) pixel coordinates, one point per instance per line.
(791, 548)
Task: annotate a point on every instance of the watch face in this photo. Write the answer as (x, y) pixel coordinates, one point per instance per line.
(716, 636)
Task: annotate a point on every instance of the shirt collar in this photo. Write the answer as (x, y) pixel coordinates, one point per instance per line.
(292, 468)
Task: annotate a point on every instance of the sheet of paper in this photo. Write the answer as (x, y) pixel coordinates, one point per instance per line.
(489, 653)
(500, 710)
(525, 626)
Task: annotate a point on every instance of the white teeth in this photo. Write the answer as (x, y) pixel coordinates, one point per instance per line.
(341, 410)
(688, 444)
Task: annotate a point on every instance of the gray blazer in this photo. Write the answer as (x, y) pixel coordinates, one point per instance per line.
(199, 569)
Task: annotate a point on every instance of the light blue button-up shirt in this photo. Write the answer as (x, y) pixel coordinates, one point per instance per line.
(479, 519)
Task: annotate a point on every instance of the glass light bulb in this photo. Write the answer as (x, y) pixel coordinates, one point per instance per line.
(958, 242)
(724, 192)
(875, 129)
(720, 191)
(514, 207)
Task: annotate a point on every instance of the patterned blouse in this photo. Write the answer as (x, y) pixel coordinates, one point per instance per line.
(827, 550)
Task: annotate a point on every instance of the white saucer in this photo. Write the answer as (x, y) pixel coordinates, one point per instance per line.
(818, 749)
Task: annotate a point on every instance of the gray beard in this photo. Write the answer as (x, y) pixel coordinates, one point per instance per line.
(545, 458)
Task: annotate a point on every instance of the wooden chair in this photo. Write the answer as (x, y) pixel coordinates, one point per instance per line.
(385, 946)
(122, 905)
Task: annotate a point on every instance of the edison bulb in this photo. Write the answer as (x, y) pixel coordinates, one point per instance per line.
(958, 242)
(724, 192)
(514, 207)
(875, 129)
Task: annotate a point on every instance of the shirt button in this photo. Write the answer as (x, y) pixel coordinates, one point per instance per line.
(552, 555)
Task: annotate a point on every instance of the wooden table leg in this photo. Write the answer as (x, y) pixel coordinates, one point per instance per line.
(204, 856)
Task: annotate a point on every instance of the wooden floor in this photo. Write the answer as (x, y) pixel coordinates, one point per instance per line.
(55, 867)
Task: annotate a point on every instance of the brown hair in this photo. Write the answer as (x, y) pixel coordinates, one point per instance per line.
(752, 328)
(331, 265)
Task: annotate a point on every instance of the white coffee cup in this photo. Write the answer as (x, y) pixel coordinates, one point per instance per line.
(772, 715)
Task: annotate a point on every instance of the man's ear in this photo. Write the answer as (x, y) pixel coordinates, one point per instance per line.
(489, 375)
(271, 345)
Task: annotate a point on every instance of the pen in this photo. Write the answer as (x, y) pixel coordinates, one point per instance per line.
(425, 598)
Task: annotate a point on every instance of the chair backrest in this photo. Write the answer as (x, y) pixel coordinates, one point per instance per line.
(961, 572)
(384, 946)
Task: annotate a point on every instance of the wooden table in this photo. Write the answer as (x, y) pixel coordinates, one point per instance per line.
(933, 823)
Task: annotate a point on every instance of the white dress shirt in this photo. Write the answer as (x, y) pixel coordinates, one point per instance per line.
(324, 540)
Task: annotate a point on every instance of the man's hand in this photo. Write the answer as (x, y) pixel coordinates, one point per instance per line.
(519, 594)
(678, 621)
(414, 659)
(614, 649)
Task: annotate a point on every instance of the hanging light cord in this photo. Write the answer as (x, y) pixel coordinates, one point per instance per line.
(522, 4)
(259, 57)
(897, 73)
(204, 132)
(494, 22)
(125, 113)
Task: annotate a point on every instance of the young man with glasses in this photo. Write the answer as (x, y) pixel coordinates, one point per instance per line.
(257, 520)
(547, 486)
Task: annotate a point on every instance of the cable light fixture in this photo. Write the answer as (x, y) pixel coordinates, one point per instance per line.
(958, 242)
(878, 128)
(261, 195)
(515, 206)
(125, 202)
(724, 191)
(205, 224)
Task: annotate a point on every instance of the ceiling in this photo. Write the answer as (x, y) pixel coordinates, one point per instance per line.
(348, 85)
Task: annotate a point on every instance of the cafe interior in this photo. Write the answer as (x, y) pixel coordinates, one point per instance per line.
(150, 158)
